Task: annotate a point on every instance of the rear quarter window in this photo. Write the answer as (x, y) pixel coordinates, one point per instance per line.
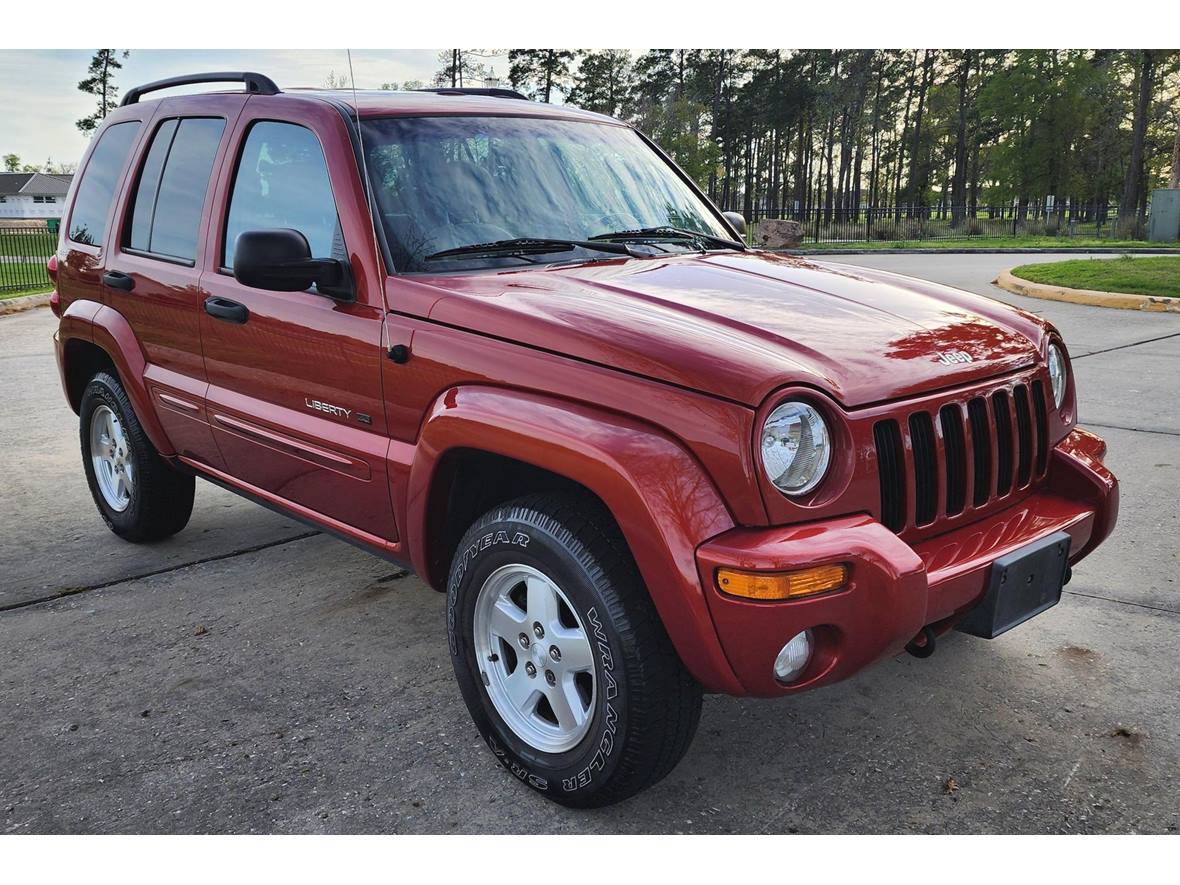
(170, 194)
(92, 205)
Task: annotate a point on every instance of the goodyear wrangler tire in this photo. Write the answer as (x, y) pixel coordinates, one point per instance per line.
(560, 655)
(139, 496)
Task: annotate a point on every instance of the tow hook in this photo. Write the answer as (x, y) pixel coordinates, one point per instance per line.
(922, 645)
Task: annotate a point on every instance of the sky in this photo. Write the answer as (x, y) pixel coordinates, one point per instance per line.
(40, 101)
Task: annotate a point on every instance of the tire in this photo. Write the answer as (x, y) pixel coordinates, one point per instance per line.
(641, 710)
(144, 499)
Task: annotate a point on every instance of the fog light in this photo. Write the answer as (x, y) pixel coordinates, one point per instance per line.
(793, 659)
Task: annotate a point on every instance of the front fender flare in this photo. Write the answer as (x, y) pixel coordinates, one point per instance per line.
(658, 493)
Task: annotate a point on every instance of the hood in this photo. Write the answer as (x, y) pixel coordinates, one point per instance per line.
(740, 325)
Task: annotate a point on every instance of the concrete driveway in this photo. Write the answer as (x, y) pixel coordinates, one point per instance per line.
(249, 675)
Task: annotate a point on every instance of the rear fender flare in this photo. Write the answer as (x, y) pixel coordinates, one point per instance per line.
(109, 330)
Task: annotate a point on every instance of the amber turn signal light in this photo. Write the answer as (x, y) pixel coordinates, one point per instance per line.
(782, 585)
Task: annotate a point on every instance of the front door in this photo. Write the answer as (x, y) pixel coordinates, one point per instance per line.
(294, 396)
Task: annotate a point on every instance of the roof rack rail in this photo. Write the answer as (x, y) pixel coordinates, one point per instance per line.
(256, 84)
(492, 92)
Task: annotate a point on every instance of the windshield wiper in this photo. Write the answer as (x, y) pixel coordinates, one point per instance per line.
(529, 246)
(671, 233)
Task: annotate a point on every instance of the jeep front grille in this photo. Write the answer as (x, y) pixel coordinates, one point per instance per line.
(977, 450)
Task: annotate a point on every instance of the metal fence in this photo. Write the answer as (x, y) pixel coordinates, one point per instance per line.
(891, 224)
(23, 253)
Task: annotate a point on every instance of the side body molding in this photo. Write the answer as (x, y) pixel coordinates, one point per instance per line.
(660, 496)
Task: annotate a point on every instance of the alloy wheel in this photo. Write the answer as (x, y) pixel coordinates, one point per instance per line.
(110, 454)
(535, 658)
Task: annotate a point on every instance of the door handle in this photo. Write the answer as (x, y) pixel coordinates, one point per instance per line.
(224, 309)
(118, 280)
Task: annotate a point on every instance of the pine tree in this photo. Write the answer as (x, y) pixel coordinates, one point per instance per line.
(101, 83)
(460, 67)
(540, 72)
(602, 81)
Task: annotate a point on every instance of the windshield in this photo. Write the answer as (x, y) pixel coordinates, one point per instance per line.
(446, 182)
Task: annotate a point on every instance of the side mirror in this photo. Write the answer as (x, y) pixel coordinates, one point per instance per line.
(737, 220)
(279, 260)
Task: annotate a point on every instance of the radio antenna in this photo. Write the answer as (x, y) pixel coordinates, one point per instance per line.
(360, 134)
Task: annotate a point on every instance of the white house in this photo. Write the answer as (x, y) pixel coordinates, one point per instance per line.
(32, 194)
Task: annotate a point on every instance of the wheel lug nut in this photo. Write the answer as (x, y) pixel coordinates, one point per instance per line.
(530, 669)
(539, 630)
(550, 678)
(555, 652)
(524, 640)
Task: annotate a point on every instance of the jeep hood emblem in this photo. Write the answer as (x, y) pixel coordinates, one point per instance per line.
(953, 357)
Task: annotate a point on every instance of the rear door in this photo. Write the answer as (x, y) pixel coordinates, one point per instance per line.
(295, 399)
(152, 275)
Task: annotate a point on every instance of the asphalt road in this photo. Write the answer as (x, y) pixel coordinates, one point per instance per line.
(247, 676)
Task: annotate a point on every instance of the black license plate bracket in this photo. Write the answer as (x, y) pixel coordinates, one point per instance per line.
(1021, 585)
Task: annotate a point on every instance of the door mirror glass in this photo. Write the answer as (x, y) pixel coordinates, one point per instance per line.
(280, 260)
(737, 220)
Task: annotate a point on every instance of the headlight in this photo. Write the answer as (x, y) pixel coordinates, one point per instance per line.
(796, 448)
(1057, 374)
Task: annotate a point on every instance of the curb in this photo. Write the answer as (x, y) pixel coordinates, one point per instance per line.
(1090, 297)
(24, 302)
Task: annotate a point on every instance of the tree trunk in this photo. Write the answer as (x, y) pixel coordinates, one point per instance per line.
(1174, 181)
(718, 80)
(874, 153)
(106, 74)
(959, 181)
(1132, 184)
(916, 186)
(905, 125)
(826, 171)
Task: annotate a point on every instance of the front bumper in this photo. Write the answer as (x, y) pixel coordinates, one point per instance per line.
(895, 588)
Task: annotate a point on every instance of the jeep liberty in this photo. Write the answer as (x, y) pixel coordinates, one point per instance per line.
(513, 347)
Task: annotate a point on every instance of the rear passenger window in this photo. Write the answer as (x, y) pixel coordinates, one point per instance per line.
(166, 207)
(88, 220)
(282, 182)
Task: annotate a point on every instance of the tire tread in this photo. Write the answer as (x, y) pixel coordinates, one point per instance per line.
(659, 686)
(165, 500)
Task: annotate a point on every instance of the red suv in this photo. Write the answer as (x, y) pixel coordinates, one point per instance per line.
(513, 347)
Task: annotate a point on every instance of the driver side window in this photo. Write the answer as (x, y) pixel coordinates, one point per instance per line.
(282, 182)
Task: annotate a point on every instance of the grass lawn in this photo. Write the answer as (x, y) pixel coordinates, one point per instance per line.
(986, 243)
(1138, 276)
(32, 244)
(20, 293)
